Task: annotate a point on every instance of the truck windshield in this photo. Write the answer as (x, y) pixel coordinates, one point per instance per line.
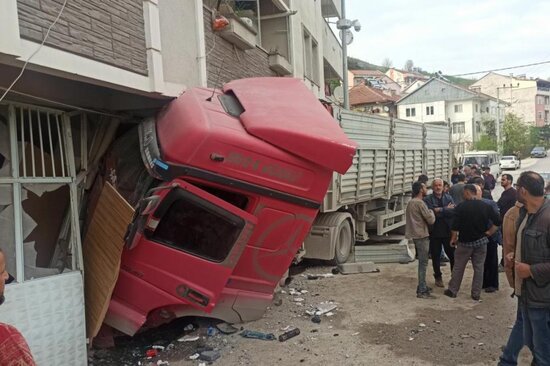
(196, 226)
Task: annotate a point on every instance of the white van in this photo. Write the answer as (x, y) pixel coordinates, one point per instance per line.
(483, 159)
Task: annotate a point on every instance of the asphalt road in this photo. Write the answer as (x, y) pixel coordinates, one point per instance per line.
(539, 165)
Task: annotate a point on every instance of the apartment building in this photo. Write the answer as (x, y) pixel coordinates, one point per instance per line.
(438, 101)
(527, 98)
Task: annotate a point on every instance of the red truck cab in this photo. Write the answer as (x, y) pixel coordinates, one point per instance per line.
(242, 173)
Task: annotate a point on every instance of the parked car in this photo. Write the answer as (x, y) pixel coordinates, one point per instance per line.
(510, 162)
(538, 152)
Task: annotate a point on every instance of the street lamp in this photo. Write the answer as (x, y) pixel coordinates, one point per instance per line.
(344, 26)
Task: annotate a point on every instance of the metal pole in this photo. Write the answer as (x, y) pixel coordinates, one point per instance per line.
(345, 59)
(497, 127)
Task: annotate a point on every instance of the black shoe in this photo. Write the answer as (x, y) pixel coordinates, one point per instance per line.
(491, 289)
(475, 297)
(448, 292)
(444, 259)
(425, 295)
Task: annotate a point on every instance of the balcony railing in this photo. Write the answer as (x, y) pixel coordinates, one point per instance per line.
(332, 50)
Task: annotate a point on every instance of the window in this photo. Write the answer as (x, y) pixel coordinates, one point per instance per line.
(458, 108)
(547, 100)
(478, 127)
(458, 128)
(311, 57)
(430, 110)
(477, 107)
(540, 115)
(487, 109)
(410, 112)
(540, 99)
(196, 226)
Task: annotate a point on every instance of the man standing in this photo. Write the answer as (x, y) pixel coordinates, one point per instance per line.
(479, 181)
(13, 348)
(454, 175)
(508, 197)
(457, 189)
(418, 217)
(469, 236)
(467, 172)
(490, 180)
(515, 342)
(532, 265)
(443, 206)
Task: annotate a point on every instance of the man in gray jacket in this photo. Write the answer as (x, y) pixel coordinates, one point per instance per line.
(532, 265)
(418, 217)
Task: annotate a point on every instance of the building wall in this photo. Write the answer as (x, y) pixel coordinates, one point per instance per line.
(420, 112)
(182, 40)
(521, 100)
(308, 16)
(228, 61)
(111, 32)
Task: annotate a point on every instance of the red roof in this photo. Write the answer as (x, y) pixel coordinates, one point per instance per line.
(362, 94)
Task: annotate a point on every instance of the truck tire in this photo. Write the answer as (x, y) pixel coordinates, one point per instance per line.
(344, 243)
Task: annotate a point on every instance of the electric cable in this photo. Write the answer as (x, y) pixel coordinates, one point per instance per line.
(35, 52)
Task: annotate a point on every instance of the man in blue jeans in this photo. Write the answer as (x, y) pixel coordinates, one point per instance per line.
(531, 260)
(418, 217)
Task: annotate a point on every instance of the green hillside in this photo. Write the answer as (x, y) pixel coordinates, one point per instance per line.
(357, 64)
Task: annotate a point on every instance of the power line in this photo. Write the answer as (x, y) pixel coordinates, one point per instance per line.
(504, 68)
(35, 52)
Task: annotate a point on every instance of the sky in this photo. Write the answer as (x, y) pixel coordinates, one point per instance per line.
(454, 37)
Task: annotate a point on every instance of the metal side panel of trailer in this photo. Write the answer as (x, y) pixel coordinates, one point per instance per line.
(437, 159)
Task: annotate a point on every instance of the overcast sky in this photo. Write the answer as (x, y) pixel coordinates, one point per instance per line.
(454, 36)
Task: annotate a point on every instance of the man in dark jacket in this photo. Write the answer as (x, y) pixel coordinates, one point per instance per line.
(490, 181)
(440, 234)
(531, 262)
(473, 223)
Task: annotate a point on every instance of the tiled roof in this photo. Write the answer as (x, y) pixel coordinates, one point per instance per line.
(362, 94)
(367, 73)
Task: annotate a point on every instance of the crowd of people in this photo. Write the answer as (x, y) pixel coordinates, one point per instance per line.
(462, 220)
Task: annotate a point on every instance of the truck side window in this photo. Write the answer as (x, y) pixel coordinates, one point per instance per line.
(197, 227)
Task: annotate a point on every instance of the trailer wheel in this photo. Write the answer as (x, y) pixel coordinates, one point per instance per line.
(344, 243)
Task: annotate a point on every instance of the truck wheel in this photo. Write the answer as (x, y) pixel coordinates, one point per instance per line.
(344, 243)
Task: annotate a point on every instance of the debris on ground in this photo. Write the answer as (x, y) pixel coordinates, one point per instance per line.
(289, 334)
(480, 317)
(188, 338)
(194, 356)
(318, 276)
(226, 328)
(209, 356)
(316, 319)
(257, 335)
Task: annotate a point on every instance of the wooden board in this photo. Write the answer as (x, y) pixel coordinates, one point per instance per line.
(103, 246)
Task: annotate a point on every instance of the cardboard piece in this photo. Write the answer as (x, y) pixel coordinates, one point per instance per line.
(48, 211)
(103, 246)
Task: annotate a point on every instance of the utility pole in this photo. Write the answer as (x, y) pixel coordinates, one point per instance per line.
(345, 56)
(497, 126)
(344, 25)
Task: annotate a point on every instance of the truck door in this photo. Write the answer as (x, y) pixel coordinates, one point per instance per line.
(188, 243)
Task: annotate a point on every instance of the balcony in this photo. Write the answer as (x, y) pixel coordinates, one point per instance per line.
(332, 52)
(331, 8)
(240, 34)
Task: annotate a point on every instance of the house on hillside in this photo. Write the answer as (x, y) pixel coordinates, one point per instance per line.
(376, 79)
(464, 110)
(405, 78)
(371, 100)
(527, 98)
(412, 87)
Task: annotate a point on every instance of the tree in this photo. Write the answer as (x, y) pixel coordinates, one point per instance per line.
(387, 62)
(409, 65)
(485, 142)
(515, 135)
(489, 127)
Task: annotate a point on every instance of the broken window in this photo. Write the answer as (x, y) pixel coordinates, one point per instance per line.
(36, 174)
(194, 225)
